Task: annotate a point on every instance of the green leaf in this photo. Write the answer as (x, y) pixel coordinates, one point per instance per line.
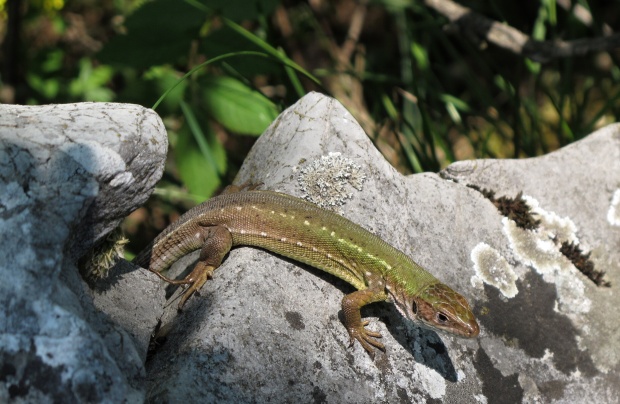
(159, 32)
(420, 55)
(236, 106)
(199, 170)
(199, 136)
(286, 62)
(161, 78)
(53, 62)
(49, 88)
(90, 85)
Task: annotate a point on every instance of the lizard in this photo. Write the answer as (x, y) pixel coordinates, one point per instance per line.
(304, 232)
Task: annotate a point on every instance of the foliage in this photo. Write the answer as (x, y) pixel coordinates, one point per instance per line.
(427, 91)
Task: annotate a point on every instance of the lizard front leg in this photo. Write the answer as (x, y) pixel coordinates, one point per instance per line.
(351, 306)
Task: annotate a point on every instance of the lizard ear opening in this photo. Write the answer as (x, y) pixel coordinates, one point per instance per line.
(414, 307)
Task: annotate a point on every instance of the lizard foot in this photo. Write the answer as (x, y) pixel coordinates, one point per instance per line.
(198, 277)
(365, 337)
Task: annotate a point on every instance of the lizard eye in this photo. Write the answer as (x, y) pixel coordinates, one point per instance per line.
(441, 318)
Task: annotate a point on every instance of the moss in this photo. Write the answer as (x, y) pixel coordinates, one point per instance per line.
(582, 263)
(513, 208)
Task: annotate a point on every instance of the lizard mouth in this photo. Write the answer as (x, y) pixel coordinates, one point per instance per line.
(470, 330)
(462, 330)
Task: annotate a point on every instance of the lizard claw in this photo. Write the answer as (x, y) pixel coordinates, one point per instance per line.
(196, 279)
(365, 337)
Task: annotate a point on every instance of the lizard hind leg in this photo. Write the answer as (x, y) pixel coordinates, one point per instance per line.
(196, 279)
(217, 244)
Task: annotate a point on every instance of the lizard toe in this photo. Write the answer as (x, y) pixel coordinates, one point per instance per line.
(366, 338)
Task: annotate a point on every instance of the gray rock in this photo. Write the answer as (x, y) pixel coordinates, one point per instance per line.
(268, 330)
(68, 175)
(556, 333)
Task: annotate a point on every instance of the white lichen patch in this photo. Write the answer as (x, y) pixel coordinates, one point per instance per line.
(327, 181)
(560, 228)
(540, 249)
(613, 214)
(531, 394)
(493, 269)
(572, 295)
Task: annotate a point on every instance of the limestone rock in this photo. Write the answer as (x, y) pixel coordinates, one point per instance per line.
(266, 329)
(68, 175)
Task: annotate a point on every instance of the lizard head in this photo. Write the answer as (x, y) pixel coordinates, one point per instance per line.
(440, 308)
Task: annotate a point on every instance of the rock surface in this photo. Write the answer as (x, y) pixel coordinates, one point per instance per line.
(68, 175)
(266, 329)
(557, 338)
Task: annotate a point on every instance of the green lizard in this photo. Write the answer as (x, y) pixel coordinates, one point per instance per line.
(304, 232)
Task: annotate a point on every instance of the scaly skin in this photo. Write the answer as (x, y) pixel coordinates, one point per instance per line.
(304, 232)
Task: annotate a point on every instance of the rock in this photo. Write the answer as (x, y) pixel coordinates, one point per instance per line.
(68, 175)
(557, 338)
(266, 329)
